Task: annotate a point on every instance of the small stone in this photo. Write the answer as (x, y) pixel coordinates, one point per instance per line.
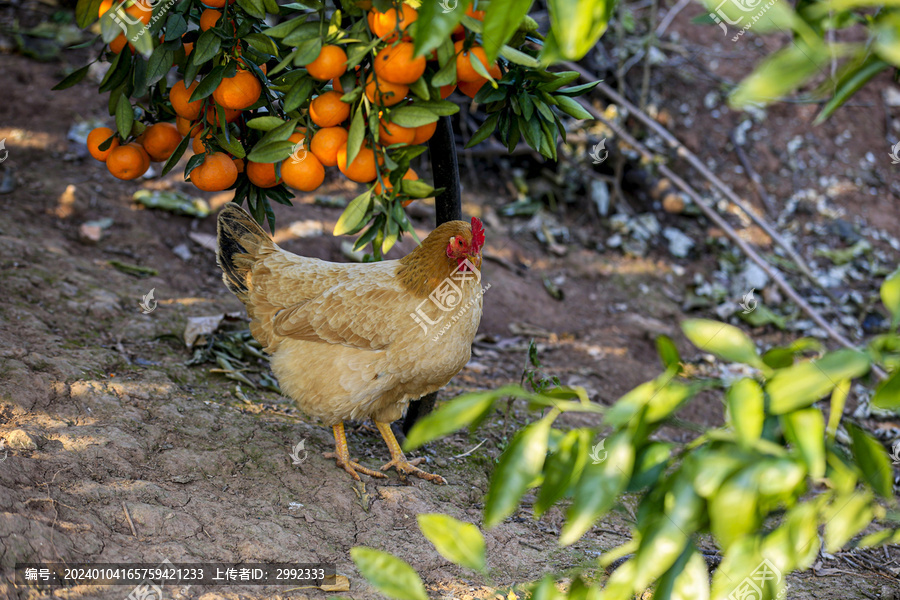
(90, 233)
(183, 252)
(679, 243)
(673, 203)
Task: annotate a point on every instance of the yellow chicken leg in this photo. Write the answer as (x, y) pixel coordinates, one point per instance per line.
(398, 460)
(342, 455)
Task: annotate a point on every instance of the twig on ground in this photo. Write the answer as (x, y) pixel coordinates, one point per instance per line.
(670, 16)
(464, 454)
(130, 522)
(720, 222)
(754, 176)
(683, 152)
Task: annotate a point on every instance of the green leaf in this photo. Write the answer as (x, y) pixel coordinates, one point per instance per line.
(746, 407)
(254, 8)
(160, 64)
(72, 78)
(207, 46)
(433, 26)
(849, 85)
(354, 214)
(457, 541)
(723, 340)
(265, 123)
(887, 37)
(519, 465)
(124, 117)
(176, 155)
(846, 517)
(598, 488)
(413, 116)
(802, 384)
(86, 12)
(572, 107)
(388, 574)
(890, 296)
(459, 412)
(562, 468)
(737, 496)
(500, 23)
(780, 74)
(231, 145)
(838, 400)
(208, 84)
(307, 51)
(446, 75)
(271, 152)
(668, 352)
(298, 94)
(688, 579)
(873, 461)
(887, 395)
(805, 430)
(416, 188)
(575, 27)
(356, 134)
(485, 131)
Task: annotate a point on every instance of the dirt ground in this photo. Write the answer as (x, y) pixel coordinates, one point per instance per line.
(129, 455)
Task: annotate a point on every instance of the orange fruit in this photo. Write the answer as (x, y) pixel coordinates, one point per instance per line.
(105, 6)
(362, 169)
(464, 69)
(470, 88)
(117, 44)
(424, 133)
(384, 93)
(179, 96)
(446, 90)
(209, 18)
(188, 48)
(212, 115)
(216, 3)
(305, 175)
(397, 64)
(198, 144)
(140, 13)
(160, 141)
(216, 173)
(238, 92)
(478, 15)
(410, 175)
(98, 136)
(330, 64)
(239, 164)
(184, 126)
(325, 144)
(385, 24)
(391, 133)
(128, 162)
(299, 134)
(262, 174)
(327, 110)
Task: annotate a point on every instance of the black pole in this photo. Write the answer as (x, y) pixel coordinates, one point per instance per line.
(448, 207)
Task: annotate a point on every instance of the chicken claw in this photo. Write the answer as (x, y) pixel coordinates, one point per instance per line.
(342, 456)
(398, 460)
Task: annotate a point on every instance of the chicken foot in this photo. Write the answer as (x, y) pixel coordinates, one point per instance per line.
(342, 455)
(398, 460)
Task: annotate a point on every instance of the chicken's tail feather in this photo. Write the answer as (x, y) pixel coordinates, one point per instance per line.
(240, 242)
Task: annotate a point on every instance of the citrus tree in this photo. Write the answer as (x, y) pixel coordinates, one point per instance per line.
(268, 96)
(776, 484)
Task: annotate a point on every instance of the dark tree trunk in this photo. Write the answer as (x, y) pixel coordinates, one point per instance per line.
(448, 207)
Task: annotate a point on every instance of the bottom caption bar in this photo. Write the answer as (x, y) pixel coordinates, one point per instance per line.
(72, 574)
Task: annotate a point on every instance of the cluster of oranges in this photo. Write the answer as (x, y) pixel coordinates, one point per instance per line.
(386, 83)
(130, 161)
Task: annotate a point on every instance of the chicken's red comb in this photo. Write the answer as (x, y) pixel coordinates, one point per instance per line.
(477, 233)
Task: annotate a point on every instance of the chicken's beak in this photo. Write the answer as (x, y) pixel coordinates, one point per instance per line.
(475, 259)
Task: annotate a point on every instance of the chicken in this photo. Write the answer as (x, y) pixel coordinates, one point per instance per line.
(357, 341)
